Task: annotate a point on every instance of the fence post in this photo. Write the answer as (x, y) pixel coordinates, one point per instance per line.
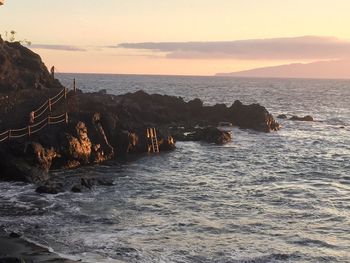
(31, 117)
(74, 86)
(66, 118)
(49, 101)
(28, 130)
(65, 93)
(9, 135)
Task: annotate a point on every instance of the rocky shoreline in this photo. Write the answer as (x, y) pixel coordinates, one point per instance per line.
(104, 127)
(99, 127)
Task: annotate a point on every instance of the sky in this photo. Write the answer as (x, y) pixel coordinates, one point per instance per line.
(179, 37)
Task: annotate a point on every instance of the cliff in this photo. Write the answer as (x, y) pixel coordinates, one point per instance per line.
(20, 68)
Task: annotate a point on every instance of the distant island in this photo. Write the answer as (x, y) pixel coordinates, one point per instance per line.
(334, 69)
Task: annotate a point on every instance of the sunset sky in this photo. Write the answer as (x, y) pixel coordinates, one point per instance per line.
(189, 37)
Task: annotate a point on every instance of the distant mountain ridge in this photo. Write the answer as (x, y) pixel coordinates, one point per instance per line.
(334, 69)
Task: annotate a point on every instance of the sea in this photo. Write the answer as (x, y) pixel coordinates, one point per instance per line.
(264, 197)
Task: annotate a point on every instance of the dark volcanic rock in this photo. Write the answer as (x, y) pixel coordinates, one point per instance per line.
(78, 183)
(125, 141)
(78, 146)
(104, 182)
(282, 116)
(101, 126)
(252, 116)
(85, 185)
(305, 118)
(14, 235)
(28, 162)
(210, 134)
(49, 189)
(167, 143)
(21, 68)
(42, 157)
(77, 189)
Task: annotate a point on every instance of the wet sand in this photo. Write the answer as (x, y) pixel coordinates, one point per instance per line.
(15, 249)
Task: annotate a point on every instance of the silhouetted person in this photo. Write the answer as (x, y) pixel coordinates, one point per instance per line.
(53, 72)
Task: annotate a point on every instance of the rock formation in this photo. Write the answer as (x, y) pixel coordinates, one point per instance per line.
(282, 116)
(305, 118)
(21, 68)
(101, 127)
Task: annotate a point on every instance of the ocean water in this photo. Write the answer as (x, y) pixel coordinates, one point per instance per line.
(276, 197)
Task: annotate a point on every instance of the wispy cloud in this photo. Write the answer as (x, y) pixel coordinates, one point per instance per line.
(57, 47)
(306, 47)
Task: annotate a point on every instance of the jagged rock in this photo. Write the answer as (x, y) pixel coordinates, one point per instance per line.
(105, 182)
(43, 157)
(78, 148)
(195, 105)
(25, 162)
(49, 189)
(72, 164)
(282, 116)
(210, 135)
(167, 144)
(252, 116)
(143, 108)
(103, 91)
(88, 183)
(14, 235)
(76, 189)
(21, 68)
(125, 141)
(102, 149)
(97, 155)
(305, 118)
(75, 184)
(85, 185)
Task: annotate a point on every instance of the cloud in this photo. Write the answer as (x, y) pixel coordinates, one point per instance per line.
(306, 47)
(57, 47)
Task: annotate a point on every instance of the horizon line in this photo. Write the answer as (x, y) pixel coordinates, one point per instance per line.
(190, 75)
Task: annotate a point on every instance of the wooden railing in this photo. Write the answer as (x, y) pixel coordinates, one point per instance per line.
(35, 127)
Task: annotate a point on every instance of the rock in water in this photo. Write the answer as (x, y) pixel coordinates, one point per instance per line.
(305, 118)
(28, 162)
(282, 116)
(210, 135)
(252, 116)
(14, 235)
(49, 189)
